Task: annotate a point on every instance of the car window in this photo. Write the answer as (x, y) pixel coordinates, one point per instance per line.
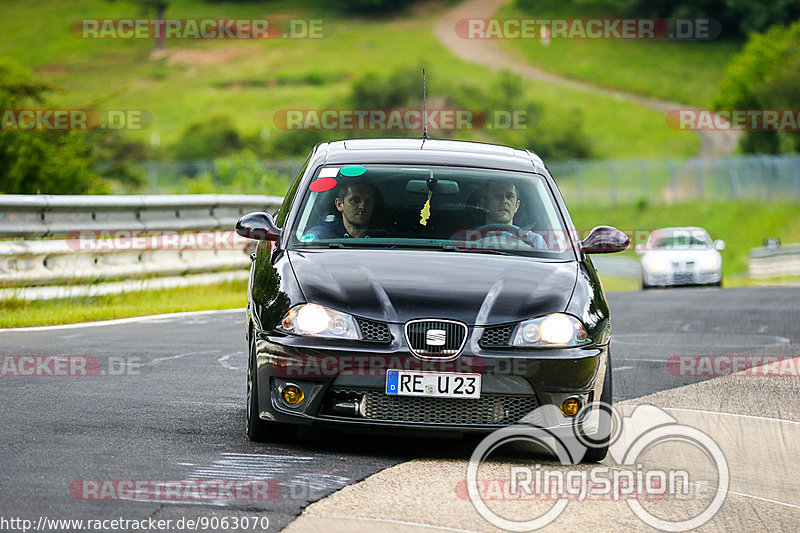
(397, 207)
(680, 239)
(283, 211)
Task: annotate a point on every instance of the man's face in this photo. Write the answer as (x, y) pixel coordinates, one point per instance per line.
(501, 202)
(357, 206)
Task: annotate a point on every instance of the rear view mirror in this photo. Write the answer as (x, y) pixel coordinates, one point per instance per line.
(605, 240)
(258, 226)
(719, 244)
(438, 187)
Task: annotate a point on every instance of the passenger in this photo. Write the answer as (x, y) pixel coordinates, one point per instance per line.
(355, 202)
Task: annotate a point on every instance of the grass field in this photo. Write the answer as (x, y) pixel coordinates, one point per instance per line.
(250, 80)
(741, 225)
(17, 313)
(687, 72)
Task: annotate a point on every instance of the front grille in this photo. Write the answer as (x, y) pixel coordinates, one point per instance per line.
(374, 331)
(488, 410)
(683, 278)
(436, 338)
(494, 336)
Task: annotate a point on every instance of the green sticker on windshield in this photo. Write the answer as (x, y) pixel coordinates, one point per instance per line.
(308, 237)
(352, 171)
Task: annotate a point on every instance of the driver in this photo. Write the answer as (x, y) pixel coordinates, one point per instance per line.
(501, 203)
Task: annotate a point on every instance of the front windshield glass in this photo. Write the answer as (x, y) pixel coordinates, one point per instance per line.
(461, 209)
(680, 239)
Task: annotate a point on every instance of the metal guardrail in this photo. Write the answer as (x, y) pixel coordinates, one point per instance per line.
(92, 239)
(58, 216)
(777, 262)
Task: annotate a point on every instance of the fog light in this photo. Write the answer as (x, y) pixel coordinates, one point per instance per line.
(292, 394)
(571, 406)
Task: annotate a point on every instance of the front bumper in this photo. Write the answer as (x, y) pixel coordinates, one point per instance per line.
(673, 279)
(344, 384)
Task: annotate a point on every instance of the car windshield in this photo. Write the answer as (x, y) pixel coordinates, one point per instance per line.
(682, 239)
(446, 208)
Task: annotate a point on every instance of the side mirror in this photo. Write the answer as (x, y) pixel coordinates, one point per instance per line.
(259, 226)
(640, 248)
(605, 240)
(719, 244)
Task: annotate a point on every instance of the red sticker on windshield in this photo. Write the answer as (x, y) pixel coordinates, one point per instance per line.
(322, 185)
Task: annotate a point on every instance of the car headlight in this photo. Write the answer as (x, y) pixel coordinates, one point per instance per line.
(710, 262)
(656, 264)
(318, 321)
(557, 329)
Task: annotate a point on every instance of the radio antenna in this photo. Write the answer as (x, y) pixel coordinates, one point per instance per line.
(425, 110)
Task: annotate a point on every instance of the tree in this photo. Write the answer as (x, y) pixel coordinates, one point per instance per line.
(56, 161)
(52, 162)
(764, 76)
(159, 8)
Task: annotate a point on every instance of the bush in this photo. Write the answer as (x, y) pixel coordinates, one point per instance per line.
(214, 137)
(47, 162)
(241, 173)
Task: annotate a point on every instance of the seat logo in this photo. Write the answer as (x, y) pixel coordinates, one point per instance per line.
(435, 337)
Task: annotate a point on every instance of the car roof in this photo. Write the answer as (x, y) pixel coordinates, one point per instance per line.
(429, 151)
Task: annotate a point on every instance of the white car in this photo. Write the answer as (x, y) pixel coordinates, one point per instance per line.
(680, 256)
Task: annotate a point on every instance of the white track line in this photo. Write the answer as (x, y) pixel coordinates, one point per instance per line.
(386, 520)
(729, 414)
(715, 489)
(117, 321)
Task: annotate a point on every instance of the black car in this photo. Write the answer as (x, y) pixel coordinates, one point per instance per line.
(424, 284)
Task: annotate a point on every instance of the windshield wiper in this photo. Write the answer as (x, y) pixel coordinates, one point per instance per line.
(451, 248)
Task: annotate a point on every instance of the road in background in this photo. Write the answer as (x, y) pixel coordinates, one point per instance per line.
(176, 412)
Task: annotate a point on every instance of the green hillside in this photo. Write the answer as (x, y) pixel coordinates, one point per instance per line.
(249, 81)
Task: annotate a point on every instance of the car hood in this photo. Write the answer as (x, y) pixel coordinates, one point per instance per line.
(400, 285)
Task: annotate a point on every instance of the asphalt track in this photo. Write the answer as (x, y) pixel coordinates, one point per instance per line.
(166, 402)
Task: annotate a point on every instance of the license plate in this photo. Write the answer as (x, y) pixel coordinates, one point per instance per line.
(433, 384)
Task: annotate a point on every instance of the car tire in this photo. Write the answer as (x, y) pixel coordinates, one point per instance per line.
(598, 453)
(259, 430)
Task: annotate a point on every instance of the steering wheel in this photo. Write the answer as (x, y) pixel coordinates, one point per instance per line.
(499, 227)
